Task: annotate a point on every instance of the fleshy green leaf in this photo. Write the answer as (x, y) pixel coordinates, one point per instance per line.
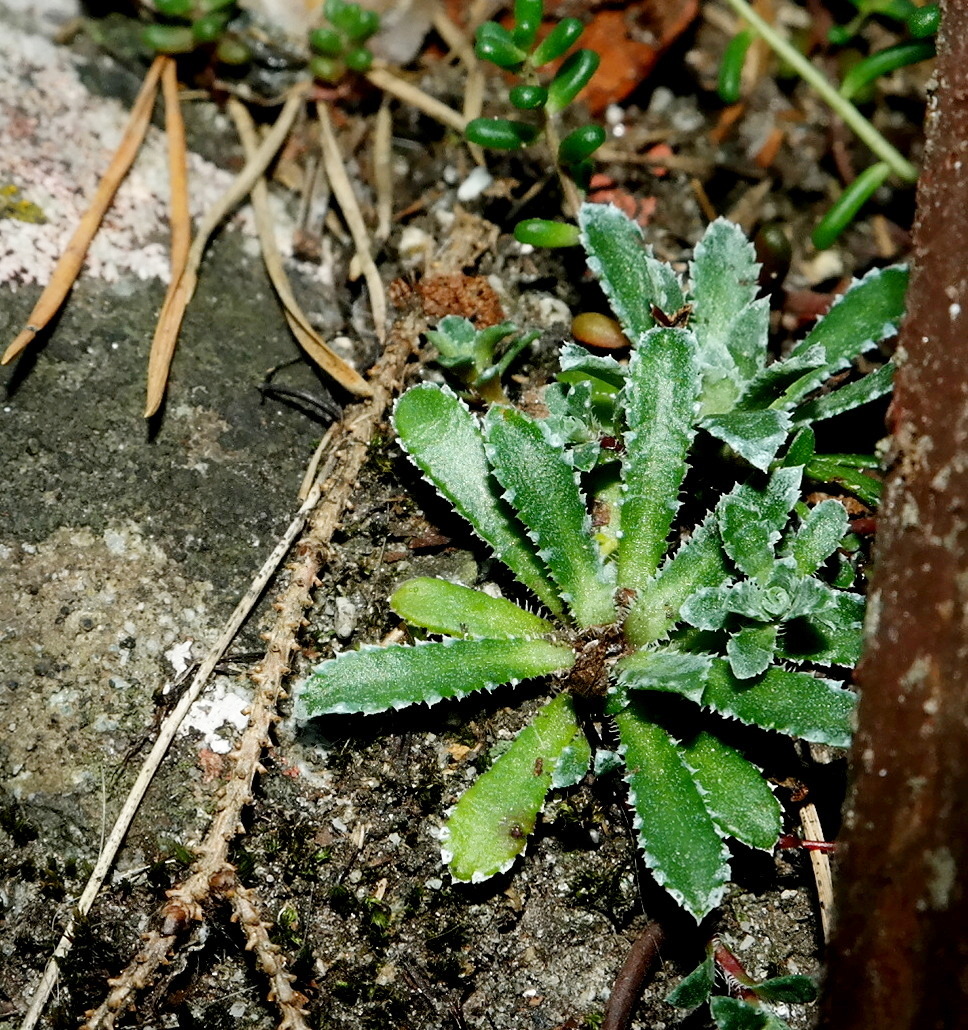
(375, 679)
(633, 280)
(770, 384)
(456, 610)
(542, 486)
(795, 703)
(489, 827)
(733, 1014)
(660, 399)
(751, 650)
(724, 282)
(798, 990)
(694, 989)
(818, 536)
(699, 563)
(445, 442)
(873, 385)
(679, 840)
(754, 435)
(736, 795)
(576, 362)
(665, 670)
(868, 312)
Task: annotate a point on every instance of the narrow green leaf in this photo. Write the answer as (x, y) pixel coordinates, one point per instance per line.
(831, 468)
(700, 562)
(694, 989)
(873, 385)
(754, 435)
(798, 990)
(818, 536)
(489, 827)
(736, 795)
(455, 610)
(375, 679)
(665, 670)
(444, 441)
(795, 703)
(576, 362)
(633, 280)
(724, 277)
(751, 650)
(679, 840)
(660, 401)
(543, 488)
(733, 1014)
(868, 312)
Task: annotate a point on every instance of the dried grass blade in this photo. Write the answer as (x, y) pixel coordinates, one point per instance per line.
(69, 265)
(342, 189)
(383, 170)
(384, 79)
(330, 362)
(173, 310)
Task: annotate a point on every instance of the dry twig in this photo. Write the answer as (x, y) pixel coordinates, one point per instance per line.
(820, 862)
(384, 79)
(69, 266)
(311, 342)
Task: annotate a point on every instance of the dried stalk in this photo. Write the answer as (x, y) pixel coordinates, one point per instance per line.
(383, 171)
(820, 863)
(212, 873)
(69, 266)
(384, 79)
(173, 311)
(311, 342)
(342, 188)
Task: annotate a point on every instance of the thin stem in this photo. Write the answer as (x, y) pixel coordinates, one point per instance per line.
(572, 196)
(865, 131)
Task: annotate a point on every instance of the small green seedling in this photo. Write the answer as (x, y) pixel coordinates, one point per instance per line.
(517, 50)
(187, 25)
(748, 1011)
(472, 354)
(339, 46)
(657, 622)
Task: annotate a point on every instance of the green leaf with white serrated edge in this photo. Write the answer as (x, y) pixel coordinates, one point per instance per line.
(575, 362)
(679, 840)
(751, 520)
(489, 826)
(631, 278)
(795, 703)
(542, 486)
(457, 611)
(375, 679)
(869, 311)
(818, 535)
(700, 562)
(873, 385)
(669, 671)
(694, 989)
(835, 638)
(736, 795)
(573, 763)
(444, 441)
(723, 284)
(754, 435)
(734, 1014)
(660, 400)
(751, 650)
(771, 382)
(796, 989)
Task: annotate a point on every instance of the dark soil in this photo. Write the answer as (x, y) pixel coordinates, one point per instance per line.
(121, 543)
